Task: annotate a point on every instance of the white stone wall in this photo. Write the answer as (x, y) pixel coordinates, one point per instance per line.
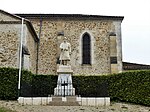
(83, 101)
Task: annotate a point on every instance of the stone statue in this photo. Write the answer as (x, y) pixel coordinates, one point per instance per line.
(64, 71)
(65, 52)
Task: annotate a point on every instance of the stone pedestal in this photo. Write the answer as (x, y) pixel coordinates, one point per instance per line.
(64, 82)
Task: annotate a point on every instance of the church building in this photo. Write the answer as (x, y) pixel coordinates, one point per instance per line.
(96, 42)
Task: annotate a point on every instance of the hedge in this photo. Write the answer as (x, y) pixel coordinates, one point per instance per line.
(90, 86)
(131, 87)
(43, 85)
(9, 82)
(31, 85)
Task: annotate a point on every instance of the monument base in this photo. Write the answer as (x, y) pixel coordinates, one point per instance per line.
(64, 69)
(64, 82)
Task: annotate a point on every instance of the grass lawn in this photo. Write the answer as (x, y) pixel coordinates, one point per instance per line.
(2, 109)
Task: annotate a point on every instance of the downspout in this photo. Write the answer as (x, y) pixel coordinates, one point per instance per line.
(38, 46)
(20, 57)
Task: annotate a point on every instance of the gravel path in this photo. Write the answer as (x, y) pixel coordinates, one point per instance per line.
(114, 107)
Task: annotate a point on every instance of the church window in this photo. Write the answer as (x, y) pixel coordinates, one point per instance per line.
(86, 49)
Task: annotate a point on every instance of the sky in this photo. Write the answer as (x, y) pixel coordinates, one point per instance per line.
(135, 26)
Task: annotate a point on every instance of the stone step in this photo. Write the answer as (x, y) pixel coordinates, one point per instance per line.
(70, 101)
(71, 98)
(68, 98)
(63, 103)
(57, 99)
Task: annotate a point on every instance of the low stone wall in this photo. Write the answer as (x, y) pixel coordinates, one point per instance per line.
(34, 100)
(94, 101)
(83, 101)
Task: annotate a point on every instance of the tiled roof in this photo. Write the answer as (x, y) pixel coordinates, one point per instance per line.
(70, 16)
(135, 66)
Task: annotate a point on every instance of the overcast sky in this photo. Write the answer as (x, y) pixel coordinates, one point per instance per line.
(135, 26)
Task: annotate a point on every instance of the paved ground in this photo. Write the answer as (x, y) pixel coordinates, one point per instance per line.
(114, 107)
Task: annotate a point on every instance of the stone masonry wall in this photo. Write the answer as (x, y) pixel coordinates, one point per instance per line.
(32, 47)
(48, 48)
(73, 29)
(9, 45)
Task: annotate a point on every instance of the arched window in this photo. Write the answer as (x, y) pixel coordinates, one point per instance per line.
(86, 49)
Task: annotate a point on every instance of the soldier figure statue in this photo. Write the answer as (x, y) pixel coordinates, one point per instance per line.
(65, 52)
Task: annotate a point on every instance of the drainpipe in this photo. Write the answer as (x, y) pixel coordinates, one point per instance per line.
(20, 57)
(38, 46)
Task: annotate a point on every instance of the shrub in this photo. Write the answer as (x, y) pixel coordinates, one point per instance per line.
(131, 87)
(38, 85)
(90, 86)
(31, 85)
(8, 83)
(43, 85)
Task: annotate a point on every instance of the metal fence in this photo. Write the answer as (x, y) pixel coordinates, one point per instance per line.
(64, 88)
(45, 89)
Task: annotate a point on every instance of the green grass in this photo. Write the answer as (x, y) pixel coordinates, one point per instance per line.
(2, 109)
